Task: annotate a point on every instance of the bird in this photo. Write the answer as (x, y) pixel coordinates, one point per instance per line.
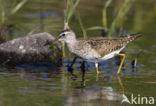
(96, 49)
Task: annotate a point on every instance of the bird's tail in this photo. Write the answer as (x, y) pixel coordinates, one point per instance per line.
(132, 37)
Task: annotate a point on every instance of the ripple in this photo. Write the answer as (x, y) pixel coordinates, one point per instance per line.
(46, 79)
(45, 14)
(25, 91)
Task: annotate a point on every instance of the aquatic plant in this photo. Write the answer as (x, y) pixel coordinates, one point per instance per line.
(104, 14)
(8, 9)
(104, 26)
(117, 22)
(81, 25)
(70, 6)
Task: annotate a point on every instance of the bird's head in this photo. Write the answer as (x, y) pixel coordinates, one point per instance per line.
(67, 36)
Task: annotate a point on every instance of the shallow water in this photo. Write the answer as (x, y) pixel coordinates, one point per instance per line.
(43, 84)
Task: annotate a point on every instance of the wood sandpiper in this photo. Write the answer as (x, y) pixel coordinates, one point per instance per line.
(96, 49)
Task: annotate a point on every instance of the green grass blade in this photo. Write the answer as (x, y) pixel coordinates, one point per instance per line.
(107, 3)
(70, 6)
(118, 20)
(104, 13)
(3, 18)
(112, 28)
(32, 31)
(18, 6)
(123, 11)
(81, 25)
(65, 11)
(104, 18)
(95, 28)
(72, 10)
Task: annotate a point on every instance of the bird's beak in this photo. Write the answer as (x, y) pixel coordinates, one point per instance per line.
(56, 40)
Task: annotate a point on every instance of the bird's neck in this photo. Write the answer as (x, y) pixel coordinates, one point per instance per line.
(71, 44)
(71, 41)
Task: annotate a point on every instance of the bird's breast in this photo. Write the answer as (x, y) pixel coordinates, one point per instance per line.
(84, 52)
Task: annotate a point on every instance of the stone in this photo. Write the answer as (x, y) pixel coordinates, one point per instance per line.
(32, 48)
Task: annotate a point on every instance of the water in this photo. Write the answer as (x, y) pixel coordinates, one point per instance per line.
(42, 84)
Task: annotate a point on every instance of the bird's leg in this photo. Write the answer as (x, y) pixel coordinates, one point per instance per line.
(83, 65)
(70, 69)
(83, 73)
(97, 67)
(97, 77)
(73, 62)
(123, 55)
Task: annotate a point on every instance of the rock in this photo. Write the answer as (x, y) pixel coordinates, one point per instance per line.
(31, 48)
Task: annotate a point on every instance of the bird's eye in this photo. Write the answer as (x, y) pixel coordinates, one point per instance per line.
(63, 34)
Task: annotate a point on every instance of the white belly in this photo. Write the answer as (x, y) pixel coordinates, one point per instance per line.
(106, 57)
(111, 55)
(91, 55)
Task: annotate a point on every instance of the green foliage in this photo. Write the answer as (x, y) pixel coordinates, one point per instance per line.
(70, 7)
(119, 19)
(104, 13)
(8, 8)
(81, 25)
(18, 6)
(112, 28)
(104, 18)
(95, 28)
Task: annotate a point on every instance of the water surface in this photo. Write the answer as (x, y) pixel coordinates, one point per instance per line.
(44, 84)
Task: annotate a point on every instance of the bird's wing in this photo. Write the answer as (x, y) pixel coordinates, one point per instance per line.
(105, 45)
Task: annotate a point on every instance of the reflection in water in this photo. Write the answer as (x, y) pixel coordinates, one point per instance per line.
(77, 87)
(49, 83)
(70, 70)
(83, 82)
(134, 62)
(121, 85)
(34, 71)
(97, 76)
(97, 94)
(93, 94)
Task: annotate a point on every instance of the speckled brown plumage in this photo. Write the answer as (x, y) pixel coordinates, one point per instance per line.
(105, 45)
